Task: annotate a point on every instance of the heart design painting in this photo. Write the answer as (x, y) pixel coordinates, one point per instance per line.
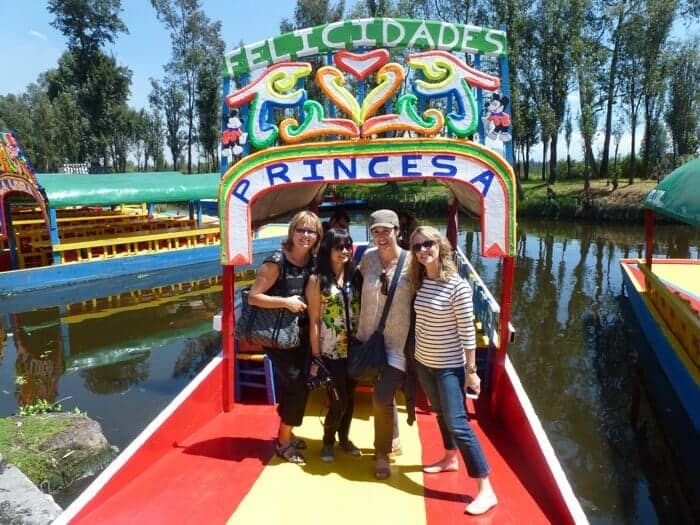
(360, 65)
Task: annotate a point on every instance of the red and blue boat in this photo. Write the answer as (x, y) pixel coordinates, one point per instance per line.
(209, 456)
(665, 297)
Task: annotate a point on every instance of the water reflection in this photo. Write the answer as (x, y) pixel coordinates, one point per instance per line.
(120, 357)
(575, 359)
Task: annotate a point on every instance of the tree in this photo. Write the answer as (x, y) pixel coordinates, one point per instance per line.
(615, 17)
(657, 20)
(97, 84)
(568, 131)
(554, 55)
(170, 100)
(209, 87)
(308, 13)
(192, 36)
(683, 109)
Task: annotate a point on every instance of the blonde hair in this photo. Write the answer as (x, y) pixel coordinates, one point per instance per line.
(301, 218)
(446, 265)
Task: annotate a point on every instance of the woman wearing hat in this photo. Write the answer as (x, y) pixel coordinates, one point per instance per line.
(378, 266)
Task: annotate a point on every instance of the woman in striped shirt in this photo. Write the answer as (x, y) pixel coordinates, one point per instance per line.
(445, 352)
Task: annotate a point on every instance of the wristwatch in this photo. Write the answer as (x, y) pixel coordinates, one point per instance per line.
(471, 369)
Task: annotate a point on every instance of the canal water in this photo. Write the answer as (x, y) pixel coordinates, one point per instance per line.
(122, 350)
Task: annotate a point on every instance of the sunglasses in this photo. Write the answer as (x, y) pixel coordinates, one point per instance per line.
(384, 280)
(341, 247)
(417, 247)
(307, 231)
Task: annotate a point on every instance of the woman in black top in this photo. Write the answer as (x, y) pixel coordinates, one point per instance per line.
(280, 283)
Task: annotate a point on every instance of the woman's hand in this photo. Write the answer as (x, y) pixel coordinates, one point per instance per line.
(474, 382)
(295, 304)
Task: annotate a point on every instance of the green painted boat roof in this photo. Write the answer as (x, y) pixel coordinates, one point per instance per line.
(678, 194)
(72, 189)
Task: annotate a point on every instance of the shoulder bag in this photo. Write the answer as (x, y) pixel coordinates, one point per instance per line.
(366, 360)
(269, 327)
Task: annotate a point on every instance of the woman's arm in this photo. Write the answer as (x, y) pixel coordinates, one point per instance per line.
(464, 315)
(267, 276)
(313, 300)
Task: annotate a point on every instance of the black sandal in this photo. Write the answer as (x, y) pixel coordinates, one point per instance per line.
(289, 453)
(298, 443)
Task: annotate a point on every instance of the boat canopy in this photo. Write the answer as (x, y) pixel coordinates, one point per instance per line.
(435, 109)
(678, 194)
(72, 189)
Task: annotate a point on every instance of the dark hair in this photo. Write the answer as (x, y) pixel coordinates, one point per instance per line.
(332, 239)
(339, 215)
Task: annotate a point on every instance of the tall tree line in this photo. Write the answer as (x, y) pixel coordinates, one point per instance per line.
(614, 58)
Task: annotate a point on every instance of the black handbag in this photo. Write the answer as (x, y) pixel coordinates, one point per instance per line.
(367, 359)
(268, 327)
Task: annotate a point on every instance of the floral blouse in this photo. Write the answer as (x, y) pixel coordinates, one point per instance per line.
(333, 333)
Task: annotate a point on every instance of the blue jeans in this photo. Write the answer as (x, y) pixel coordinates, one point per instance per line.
(445, 390)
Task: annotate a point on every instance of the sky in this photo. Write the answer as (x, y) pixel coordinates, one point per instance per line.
(31, 45)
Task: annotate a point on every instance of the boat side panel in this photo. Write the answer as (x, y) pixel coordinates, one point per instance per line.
(545, 477)
(188, 412)
(674, 404)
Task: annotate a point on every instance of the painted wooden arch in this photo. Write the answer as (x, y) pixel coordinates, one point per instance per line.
(17, 177)
(489, 177)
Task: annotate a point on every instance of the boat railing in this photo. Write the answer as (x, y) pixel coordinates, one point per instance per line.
(486, 316)
(126, 244)
(676, 312)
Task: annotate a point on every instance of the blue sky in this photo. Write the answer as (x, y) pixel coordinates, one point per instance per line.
(31, 45)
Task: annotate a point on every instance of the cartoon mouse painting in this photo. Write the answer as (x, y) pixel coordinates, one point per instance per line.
(233, 138)
(497, 121)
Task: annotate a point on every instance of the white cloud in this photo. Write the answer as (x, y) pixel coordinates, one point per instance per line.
(37, 34)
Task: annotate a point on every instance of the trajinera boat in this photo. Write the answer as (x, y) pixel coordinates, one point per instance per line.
(64, 228)
(209, 456)
(665, 297)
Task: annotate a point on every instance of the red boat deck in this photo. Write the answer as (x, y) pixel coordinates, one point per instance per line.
(226, 471)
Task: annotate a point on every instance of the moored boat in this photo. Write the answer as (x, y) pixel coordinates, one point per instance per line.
(209, 457)
(61, 228)
(664, 295)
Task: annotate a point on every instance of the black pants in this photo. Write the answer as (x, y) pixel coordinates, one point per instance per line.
(290, 368)
(341, 408)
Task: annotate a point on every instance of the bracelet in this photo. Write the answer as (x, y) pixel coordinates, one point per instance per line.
(471, 368)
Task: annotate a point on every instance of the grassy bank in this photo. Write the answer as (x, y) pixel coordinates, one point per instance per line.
(428, 198)
(567, 200)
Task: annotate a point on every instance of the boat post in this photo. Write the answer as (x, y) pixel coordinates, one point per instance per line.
(649, 235)
(227, 327)
(499, 361)
(452, 221)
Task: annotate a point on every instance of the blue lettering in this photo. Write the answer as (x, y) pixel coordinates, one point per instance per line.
(350, 172)
(277, 171)
(408, 163)
(240, 190)
(485, 178)
(312, 163)
(372, 167)
(450, 169)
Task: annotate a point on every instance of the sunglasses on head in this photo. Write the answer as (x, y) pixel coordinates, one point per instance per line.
(417, 247)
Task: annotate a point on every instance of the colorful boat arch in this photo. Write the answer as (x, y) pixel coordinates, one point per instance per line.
(488, 176)
(17, 177)
(399, 100)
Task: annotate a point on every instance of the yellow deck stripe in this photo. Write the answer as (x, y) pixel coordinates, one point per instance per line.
(686, 276)
(320, 493)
